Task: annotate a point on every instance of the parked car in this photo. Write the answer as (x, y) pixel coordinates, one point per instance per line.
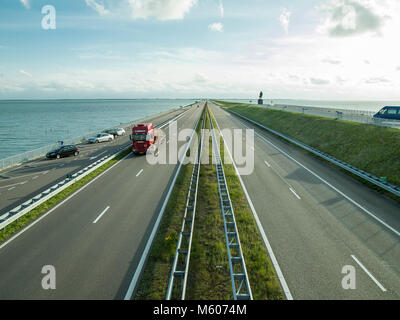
(101, 137)
(63, 151)
(116, 132)
(388, 113)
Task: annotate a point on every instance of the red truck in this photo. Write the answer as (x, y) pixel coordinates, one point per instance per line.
(143, 138)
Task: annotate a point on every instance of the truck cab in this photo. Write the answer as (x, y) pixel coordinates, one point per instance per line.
(142, 137)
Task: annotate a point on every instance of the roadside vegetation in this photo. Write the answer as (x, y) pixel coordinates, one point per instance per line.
(373, 149)
(29, 217)
(209, 277)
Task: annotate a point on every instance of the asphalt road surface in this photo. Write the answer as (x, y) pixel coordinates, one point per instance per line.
(319, 220)
(96, 238)
(21, 183)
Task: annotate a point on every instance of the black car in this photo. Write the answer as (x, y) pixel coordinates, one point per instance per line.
(63, 151)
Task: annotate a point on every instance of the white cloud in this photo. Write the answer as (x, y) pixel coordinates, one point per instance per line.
(377, 80)
(319, 82)
(221, 9)
(25, 73)
(217, 26)
(99, 7)
(200, 78)
(143, 9)
(160, 9)
(331, 61)
(350, 17)
(26, 3)
(284, 18)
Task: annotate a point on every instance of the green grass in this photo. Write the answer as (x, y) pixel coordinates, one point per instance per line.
(209, 277)
(262, 277)
(154, 281)
(23, 221)
(371, 148)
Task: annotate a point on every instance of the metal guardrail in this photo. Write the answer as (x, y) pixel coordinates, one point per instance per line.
(34, 202)
(180, 265)
(360, 116)
(358, 172)
(239, 278)
(17, 159)
(27, 206)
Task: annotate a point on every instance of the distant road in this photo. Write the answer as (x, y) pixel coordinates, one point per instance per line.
(95, 239)
(315, 230)
(23, 182)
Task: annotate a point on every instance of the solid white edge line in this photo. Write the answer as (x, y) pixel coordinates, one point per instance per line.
(268, 165)
(65, 200)
(60, 204)
(139, 173)
(327, 183)
(294, 192)
(274, 261)
(369, 274)
(149, 243)
(101, 214)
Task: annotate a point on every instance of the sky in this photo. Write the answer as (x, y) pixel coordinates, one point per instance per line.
(289, 49)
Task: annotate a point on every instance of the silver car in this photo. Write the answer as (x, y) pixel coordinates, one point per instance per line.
(101, 137)
(116, 132)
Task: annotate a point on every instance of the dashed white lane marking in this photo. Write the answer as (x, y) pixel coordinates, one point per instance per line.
(294, 192)
(369, 274)
(268, 165)
(46, 172)
(35, 177)
(13, 185)
(101, 214)
(95, 157)
(139, 173)
(327, 183)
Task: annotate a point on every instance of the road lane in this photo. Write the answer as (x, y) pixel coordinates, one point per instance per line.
(93, 261)
(315, 237)
(42, 173)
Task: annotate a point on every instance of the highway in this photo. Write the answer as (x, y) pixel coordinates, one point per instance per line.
(318, 220)
(96, 238)
(23, 182)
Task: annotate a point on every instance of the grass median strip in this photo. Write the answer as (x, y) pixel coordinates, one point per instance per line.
(209, 277)
(23, 221)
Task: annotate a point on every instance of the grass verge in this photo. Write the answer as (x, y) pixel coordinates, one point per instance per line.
(370, 148)
(23, 221)
(262, 277)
